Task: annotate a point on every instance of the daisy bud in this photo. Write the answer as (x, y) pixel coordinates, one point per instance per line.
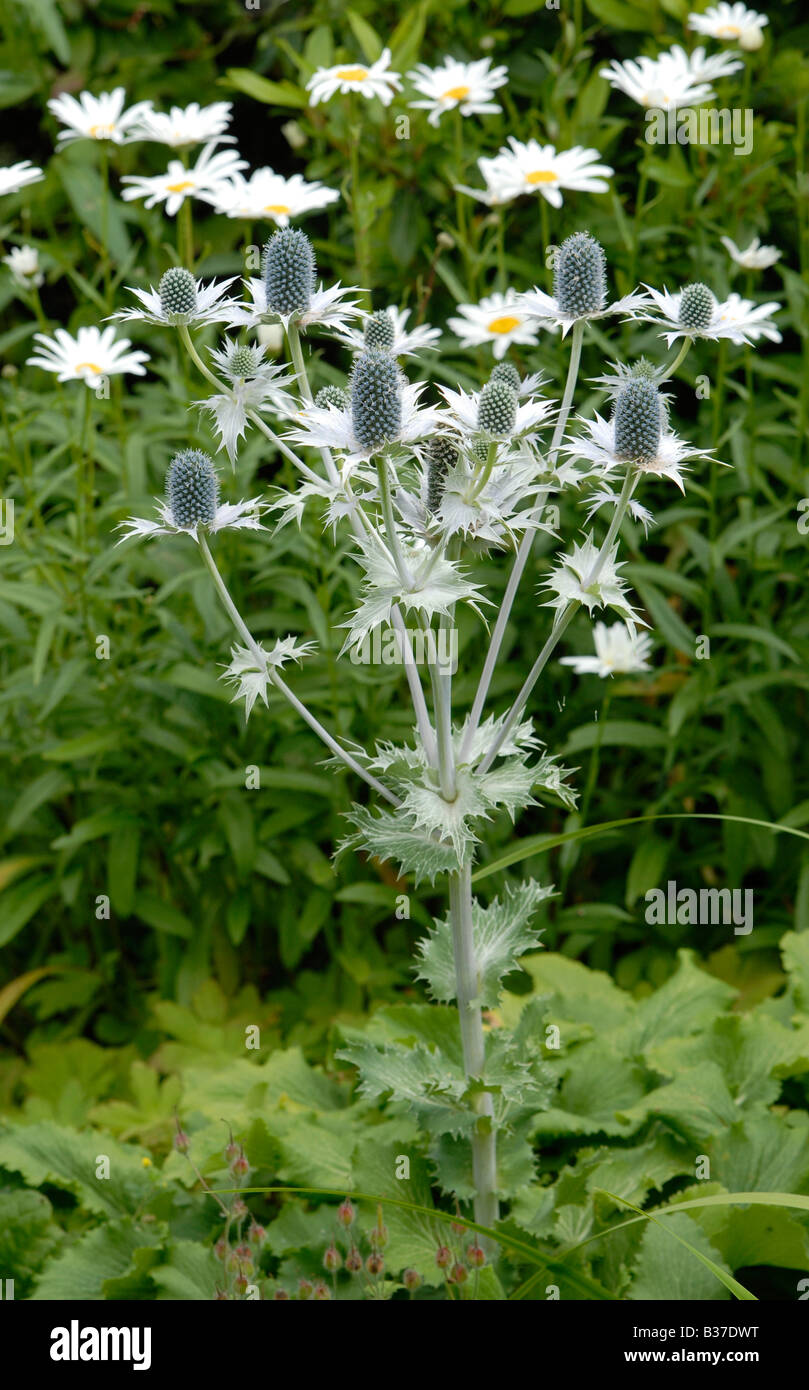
(475, 1256)
(192, 488)
(637, 420)
(507, 372)
(332, 395)
(497, 408)
(697, 306)
(376, 405)
(411, 1279)
(178, 293)
(580, 276)
(243, 361)
(289, 271)
(442, 455)
(379, 331)
(332, 1259)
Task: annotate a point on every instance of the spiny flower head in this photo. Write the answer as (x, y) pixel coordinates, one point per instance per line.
(380, 331)
(192, 488)
(243, 361)
(289, 271)
(637, 421)
(178, 292)
(376, 404)
(332, 395)
(580, 276)
(497, 408)
(506, 371)
(697, 305)
(442, 455)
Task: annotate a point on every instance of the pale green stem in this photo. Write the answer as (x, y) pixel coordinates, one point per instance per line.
(402, 570)
(280, 684)
(523, 553)
(669, 371)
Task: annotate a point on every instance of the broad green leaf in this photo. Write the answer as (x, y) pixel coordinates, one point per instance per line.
(678, 1270)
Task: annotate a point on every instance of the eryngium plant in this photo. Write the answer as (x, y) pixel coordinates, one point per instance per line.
(421, 489)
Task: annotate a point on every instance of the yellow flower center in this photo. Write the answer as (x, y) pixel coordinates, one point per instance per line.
(728, 31)
(179, 187)
(277, 207)
(88, 366)
(101, 132)
(352, 74)
(504, 324)
(455, 94)
(541, 176)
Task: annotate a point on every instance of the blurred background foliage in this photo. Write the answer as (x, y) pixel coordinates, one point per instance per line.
(126, 776)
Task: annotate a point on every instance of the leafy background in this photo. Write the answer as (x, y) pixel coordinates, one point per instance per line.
(127, 776)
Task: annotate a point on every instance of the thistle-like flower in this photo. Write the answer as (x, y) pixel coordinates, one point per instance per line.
(376, 399)
(253, 383)
(180, 299)
(289, 271)
(638, 435)
(506, 371)
(379, 331)
(403, 342)
(192, 501)
(637, 421)
(694, 312)
(697, 308)
(497, 409)
(580, 288)
(332, 396)
(441, 454)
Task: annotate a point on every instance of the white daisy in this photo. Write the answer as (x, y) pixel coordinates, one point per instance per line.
(328, 427)
(731, 22)
(23, 262)
(92, 355)
(498, 189)
(755, 257)
(598, 446)
(251, 671)
(619, 651)
(269, 195)
(544, 308)
(98, 118)
(467, 86)
(262, 385)
(374, 81)
(13, 177)
(209, 308)
(499, 319)
(204, 180)
(735, 318)
(233, 516)
(406, 342)
(657, 83)
(535, 168)
(190, 125)
(706, 67)
(327, 308)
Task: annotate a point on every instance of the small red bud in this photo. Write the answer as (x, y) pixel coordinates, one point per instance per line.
(411, 1279)
(256, 1234)
(221, 1248)
(375, 1264)
(475, 1256)
(280, 1296)
(239, 1208)
(242, 1283)
(332, 1260)
(305, 1288)
(182, 1143)
(443, 1257)
(354, 1260)
(346, 1213)
(459, 1274)
(322, 1293)
(240, 1165)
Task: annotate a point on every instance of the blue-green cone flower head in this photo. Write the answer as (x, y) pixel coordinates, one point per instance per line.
(192, 488)
(479, 449)
(506, 371)
(379, 331)
(243, 361)
(178, 294)
(332, 396)
(497, 408)
(376, 398)
(289, 271)
(580, 276)
(637, 421)
(697, 305)
(441, 455)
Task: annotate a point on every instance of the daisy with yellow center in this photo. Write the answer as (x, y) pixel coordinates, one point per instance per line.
(731, 22)
(95, 353)
(98, 118)
(375, 81)
(499, 319)
(206, 180)
(266, 194)
(467, 87)
(533, 168)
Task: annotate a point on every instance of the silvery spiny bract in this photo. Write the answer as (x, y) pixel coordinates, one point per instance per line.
(376, 404)
(580, 276)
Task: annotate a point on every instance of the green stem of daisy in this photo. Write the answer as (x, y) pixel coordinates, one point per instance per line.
(185, 234)
(277, 680)
(104, 161)
(524, 551)
(360, 242)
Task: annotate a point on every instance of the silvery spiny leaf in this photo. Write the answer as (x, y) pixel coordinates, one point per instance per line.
(502, 932)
